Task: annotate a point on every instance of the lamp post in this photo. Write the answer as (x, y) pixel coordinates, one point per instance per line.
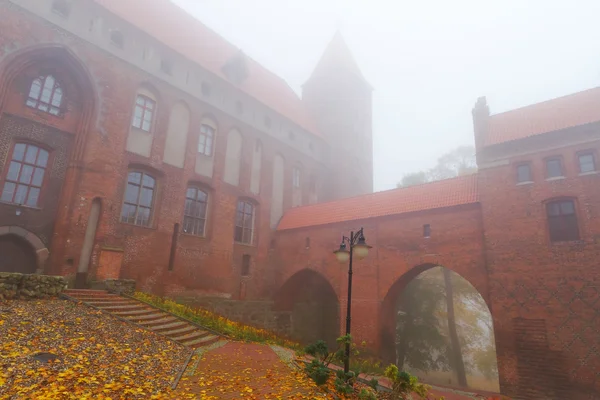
(356, 246)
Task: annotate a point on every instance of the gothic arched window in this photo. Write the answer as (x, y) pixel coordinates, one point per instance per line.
(45, 94)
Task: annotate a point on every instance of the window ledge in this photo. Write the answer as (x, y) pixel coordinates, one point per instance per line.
(192, 235)
(524, 183)
(555, 178)
(20, 206)
(568, 242)
(589, 173)
(150, 228)
(243, 244)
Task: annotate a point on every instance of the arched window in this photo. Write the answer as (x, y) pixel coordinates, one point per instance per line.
(562, 220)
(139, 198)
(25, 175)
(244, 222)
(45, 94)
(194, 216)
(206, 140)
(143, 113)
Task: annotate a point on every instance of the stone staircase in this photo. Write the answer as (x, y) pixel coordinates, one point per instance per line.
(145, 316)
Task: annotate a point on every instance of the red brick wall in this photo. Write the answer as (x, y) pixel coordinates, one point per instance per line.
(211, 263)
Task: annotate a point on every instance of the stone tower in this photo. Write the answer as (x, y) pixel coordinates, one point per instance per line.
(339, 99)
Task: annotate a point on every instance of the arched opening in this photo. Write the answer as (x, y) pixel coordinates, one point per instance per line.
(88, 243)
(313, 307)
(437, 326)
(18, 255)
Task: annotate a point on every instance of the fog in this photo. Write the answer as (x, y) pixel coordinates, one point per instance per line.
(427, 61)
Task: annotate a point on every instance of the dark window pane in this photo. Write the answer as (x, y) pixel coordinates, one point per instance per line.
(131, 195)
(190, 193)
(20, 194)
(143, 217)
(247, 220)
(31, 154)
(26, 174)
(586, 163)
(135, 177)
(146, 197)
(248, 208)
(553, 209)
(247, 238)
(38, 177)
(19, 152)
(523, 173)
(202, 196)
(567, 208)
(8, 192)
(238, 233)
(553, 168)
(189, 207)
(200, 210)
(148, 181)
(42, 159)
(239, 219)
(32, 197)
(140, 100)
(13, 171)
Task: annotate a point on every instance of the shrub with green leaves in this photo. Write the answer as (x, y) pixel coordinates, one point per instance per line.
(318, 371)
(366, 394)
(403, 383)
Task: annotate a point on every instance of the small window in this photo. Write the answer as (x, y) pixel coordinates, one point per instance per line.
(246, 265)
(143, 113)
(291, 135)
(258, 146)
(244, 222)
(206, 140)
(166, 67)
(116, 38)
(586, 162)
(239, 107)
(296, 177)
(139, 199)
(307, 243)
(45, 94)
(205, 88)
(267, 122)
(553, 168)
(426, 231)
(562, 221)
(25, 175)
(523, 173)
(313, 184)
(61, 7)
(194, 215)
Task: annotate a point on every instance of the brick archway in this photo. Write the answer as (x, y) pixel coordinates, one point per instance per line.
(313, 306)
(26, 252)
(387, 329)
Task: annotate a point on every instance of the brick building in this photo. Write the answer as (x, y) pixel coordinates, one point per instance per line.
(145, 146)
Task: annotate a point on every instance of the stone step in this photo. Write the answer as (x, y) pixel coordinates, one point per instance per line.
(87, 298)
(166, 320)
(135, 313)
(203, 341)
(177, 332)
(168, 326)
(75, 292)
(190, 336)
(129, 307)
(111, 303)
(146, 317)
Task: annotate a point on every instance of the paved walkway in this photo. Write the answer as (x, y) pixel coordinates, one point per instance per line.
(234, 370)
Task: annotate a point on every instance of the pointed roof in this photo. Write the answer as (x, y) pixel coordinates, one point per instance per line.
(184, 34)
(337, 57)
(428, 196)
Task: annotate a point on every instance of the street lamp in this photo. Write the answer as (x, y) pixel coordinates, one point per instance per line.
(357, 246)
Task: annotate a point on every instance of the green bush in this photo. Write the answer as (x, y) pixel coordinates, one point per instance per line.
(318, 371)
(403, 383)
(366, 394)
(373, 383)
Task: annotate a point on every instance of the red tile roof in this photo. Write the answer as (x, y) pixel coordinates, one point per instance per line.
(180, 31)
(552, 115)
(446, 193)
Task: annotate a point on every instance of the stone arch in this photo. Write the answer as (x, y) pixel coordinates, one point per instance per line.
(177, 134)
(311, 303)
(387, 325)
(25, 246)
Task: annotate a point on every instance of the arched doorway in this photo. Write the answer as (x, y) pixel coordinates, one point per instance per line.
(313, 306)
(17, 255)
(440, 329)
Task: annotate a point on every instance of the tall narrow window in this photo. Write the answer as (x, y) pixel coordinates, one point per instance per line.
(246, 265)
(244, 222)
(523, 173)
(25, 175)
(45, 94)
(206, 139)
(296, 177)
(553, 168)
(426, 231)
(586, 162)
(143, 113)
(116, 38)
(194, 219)
(139, 199)
(562, 221)
(61, 7)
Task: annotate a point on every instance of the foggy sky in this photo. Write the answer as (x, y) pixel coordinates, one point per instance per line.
(427, 61)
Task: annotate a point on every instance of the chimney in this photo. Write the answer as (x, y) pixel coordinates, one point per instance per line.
(481, 116)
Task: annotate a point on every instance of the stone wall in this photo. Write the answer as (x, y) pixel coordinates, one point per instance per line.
(256, 313)
(120, 286)
(21, 286)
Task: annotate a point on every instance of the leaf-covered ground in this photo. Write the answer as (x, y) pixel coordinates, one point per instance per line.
(99, 357)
